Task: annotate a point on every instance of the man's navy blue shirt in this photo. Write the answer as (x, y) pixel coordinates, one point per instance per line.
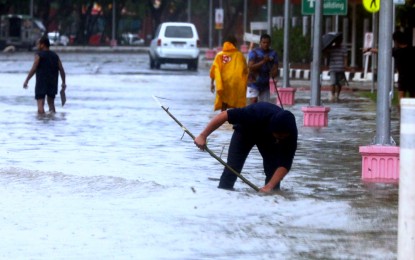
(256, 121)
(259, 79)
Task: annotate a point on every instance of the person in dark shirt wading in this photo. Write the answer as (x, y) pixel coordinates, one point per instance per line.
(264, 125)
(47, 67)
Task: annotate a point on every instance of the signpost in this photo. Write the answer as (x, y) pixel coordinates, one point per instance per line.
(330, 7)
(372, 6)
(218, 18)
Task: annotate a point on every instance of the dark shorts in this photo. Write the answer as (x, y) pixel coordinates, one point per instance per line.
(41, 91)
(337, 78)
(239, 149)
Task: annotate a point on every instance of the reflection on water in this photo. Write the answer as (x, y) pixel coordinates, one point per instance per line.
(112, 155)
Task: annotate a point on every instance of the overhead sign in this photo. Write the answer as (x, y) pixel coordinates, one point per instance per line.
(372, 6)
(219, 18)
(330, 7)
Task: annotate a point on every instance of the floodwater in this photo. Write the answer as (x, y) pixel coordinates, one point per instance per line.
(112, 176)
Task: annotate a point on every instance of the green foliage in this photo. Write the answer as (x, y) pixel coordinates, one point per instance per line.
(373, 96)
(299, 44)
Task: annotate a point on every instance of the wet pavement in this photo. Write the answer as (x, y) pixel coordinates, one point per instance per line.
(112, 176)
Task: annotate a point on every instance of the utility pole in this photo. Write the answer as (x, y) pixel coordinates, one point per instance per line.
(210, 24)
(315, 69)
(189, 7)
(31, 8)
(286, 54)
(383, 136)
(269, 15)
(220, 30)
(245, 15)
(113, 40)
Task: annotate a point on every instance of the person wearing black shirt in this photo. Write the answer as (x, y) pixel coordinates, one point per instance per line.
(404, 56)
(47, 67)
(272, 129)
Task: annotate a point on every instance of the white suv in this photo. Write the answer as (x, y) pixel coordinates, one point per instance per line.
(175, 42)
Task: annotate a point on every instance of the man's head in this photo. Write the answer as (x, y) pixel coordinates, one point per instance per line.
(283, 125)
(265, 42)
(232, 39)
(43, 43)
(400, 38)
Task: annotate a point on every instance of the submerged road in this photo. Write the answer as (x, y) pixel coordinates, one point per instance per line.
(110, 175)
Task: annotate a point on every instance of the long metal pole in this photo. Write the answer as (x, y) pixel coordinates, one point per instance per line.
(315, 99)
(384, 73)
(31, 8)
(286, 65)
(210, 24)
(345, 31)
(220, 30)
(189, 8)
(250, 184)
(354, 30)
(336, 23)
(113, 21)
(245, 16)
(269, 17)
(373, 55)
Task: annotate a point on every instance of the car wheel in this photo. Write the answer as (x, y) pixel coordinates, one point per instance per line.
(157, 64)
(152, 63)
(193, 65)
(196, 64)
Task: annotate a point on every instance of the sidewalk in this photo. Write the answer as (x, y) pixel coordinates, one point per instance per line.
(351, 86)
(300, 78)
(295, 79)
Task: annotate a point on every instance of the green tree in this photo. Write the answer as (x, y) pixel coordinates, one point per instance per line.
(299, 45)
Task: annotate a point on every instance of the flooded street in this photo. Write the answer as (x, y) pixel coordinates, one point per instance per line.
(112, 176)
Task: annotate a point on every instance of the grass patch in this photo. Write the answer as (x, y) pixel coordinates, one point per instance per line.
(373, 96)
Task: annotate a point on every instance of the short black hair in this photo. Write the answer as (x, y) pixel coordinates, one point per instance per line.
(232, 39)
(400, 37)
(44, 40)
(265, 36)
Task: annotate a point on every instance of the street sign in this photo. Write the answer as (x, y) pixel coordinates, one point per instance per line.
(219, 18)
(372, 6)
(330, 7)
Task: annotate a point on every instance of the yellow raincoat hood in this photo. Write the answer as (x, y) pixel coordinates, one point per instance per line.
(230, 72)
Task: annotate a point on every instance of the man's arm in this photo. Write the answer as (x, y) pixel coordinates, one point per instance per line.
(278, 175)
(214, 124)
(255, 66)
(274, 70)
(32, 71)
(62, 73)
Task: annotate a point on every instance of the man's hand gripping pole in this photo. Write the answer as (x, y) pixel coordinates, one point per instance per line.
(207, 149)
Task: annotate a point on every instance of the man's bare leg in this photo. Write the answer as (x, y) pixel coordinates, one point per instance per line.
(338, 90)
(51, 104)
(40, 106)
(332, 93)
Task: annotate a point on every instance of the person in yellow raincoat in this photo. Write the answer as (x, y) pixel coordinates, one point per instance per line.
(230, 73)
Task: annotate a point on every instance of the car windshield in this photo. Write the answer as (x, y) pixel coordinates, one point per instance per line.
(179, 32)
